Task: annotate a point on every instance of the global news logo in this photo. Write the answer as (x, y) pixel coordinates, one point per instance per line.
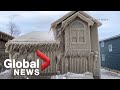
(25, 67)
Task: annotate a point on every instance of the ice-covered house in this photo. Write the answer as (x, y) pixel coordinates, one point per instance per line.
(74, 48)
(4, 38)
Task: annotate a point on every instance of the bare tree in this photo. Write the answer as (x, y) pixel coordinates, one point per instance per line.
(13, 28)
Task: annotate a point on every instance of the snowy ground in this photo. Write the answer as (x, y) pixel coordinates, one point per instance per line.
(105, 74)
(5, 75)
(69, 75)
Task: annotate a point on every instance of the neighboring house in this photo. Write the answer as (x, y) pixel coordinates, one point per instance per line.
(4, 38)
(74, 47)
(110, 52)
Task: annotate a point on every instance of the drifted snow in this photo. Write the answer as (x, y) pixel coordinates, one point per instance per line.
(5, 75)
(69, 75)
(105, 74)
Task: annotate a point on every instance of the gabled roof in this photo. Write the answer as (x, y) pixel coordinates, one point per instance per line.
(54, 24)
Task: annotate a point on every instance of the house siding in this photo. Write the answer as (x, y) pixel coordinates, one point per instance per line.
(112, 59)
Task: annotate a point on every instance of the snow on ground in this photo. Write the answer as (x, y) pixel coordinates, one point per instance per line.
(5, 75)
(69, 75)
(106, 74)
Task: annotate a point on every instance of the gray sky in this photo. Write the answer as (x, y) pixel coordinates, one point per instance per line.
(41, 20)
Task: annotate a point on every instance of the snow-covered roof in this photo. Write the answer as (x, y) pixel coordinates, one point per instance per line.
(111, 38)
(35, 36)
(5, 36)
(33, 41)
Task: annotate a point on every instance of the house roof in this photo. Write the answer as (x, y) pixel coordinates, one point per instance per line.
(32, 41)
(5, 36)
(35, 36)
(54, 24)
(110, 38)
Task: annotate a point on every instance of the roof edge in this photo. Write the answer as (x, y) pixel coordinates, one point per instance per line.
(70, 14)
(109, 38)
(6, 34)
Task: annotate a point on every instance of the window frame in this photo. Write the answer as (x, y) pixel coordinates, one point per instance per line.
(78, 34)
(103, 57)
(110, 48)
(102, 44)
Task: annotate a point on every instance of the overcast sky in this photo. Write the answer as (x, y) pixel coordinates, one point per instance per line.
(41, 20)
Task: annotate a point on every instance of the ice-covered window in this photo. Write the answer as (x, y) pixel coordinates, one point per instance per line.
(77, 32)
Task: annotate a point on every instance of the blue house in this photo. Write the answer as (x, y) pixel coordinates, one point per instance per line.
(110, 52)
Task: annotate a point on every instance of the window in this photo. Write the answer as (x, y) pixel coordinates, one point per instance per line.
(74, 39)
(102, 44)
(74, 36)
(110, 48)
(103, 57)
(77, 32)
